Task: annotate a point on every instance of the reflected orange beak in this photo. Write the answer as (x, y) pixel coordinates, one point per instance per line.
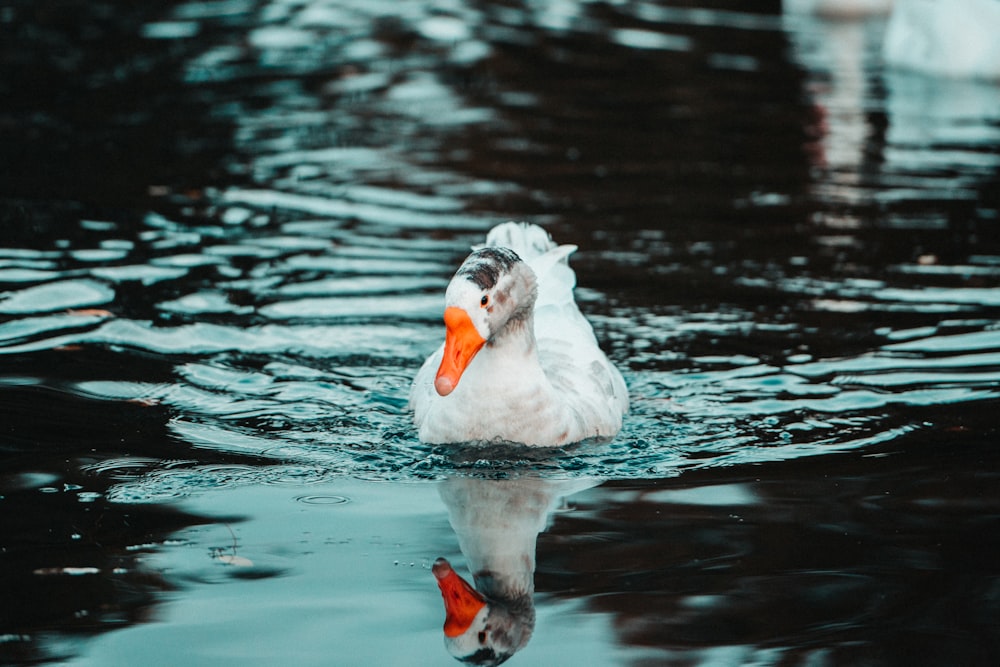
(461, 342)
(461, 601)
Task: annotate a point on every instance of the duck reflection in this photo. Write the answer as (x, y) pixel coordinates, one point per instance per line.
(497, 523)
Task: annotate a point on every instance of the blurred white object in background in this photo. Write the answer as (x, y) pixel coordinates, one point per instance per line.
(839, 9)
(955, 38)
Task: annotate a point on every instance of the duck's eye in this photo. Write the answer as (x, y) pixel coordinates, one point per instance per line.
(482, 637)
(485, 301)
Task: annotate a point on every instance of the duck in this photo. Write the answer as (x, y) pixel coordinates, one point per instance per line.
(497, 523)
(519, 363)
(956, 39)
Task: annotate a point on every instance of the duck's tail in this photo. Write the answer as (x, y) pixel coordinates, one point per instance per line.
(527, 240)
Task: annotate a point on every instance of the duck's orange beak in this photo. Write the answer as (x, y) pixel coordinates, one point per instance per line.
(461, 601)
(461, 342)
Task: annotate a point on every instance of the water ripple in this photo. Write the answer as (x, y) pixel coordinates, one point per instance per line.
(322, 500)
(60, 295)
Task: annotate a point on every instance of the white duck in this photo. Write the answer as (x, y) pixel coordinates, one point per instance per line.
(519, 362)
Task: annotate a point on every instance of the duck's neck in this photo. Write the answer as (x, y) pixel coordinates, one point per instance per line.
(508, 368)
(517, 337)
(504, 574)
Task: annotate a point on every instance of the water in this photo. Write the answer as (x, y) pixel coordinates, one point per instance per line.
(228, 227)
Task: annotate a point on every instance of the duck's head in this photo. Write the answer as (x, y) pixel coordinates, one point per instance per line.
(479, 631)
(492, 291)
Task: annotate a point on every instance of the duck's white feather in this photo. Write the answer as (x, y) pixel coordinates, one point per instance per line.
(562, 390)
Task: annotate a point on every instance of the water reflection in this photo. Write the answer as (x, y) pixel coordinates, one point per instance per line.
(840, 53)
(497, 523)
(934, 134)
(795, 564)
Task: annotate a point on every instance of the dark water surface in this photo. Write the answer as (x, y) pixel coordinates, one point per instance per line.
(226, 231)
